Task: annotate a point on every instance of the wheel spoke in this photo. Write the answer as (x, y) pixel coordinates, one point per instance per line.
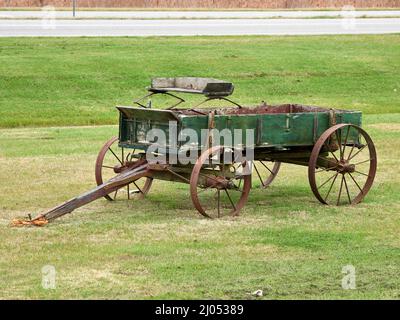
(345, 141)
(326, 169)
(330, 188)
(240, 183)
(334, 156)
(230, 199)
(213, 169)
(266, 167)
(237, 187)
(326, 182)
(340, 191)
(322, 158)
(351, 151)
(108, 167)
(356, 183)
(329, 150)
(219, 202)
(361, 149)
(237, 166)
(361, 162)
(109, 148)
(131, 155)
(140, 190)
(258, 173)
(339, 138)
(364, 174)
(347, 189)
(129, 194)
(325, 159)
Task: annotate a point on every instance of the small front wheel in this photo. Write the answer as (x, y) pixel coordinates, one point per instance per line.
(112, 160)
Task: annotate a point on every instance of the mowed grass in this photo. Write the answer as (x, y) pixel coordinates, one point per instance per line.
(63, 81)
(284, 243)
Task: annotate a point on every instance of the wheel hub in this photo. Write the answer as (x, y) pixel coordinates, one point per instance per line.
(344, 167)
(218, 182)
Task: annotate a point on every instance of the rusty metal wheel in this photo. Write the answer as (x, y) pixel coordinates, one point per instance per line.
(265, 172)
(112, 160)
(219, 183)
(342, 165)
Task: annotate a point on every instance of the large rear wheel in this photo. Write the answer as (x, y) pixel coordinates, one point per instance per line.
(342, 165)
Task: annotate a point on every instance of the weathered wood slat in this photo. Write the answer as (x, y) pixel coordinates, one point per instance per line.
(108, 187)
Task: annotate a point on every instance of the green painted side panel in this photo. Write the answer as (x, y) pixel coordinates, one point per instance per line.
(274, 130)
(245, 126)
(262, 130)
(290, 129)
(135, 124)
(229, 128)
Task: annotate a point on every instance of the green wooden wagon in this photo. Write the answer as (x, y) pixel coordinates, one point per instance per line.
(339, 154)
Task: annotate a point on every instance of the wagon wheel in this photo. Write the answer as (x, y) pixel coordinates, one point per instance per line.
(219, 187)
(110, 161)
(265, 172)
(342, 165)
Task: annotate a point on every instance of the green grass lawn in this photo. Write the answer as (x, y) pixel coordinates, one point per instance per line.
(285, 242)
(77, 81)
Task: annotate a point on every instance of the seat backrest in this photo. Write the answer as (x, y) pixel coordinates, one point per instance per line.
(206, 86)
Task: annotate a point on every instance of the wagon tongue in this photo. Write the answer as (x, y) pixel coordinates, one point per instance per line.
(129, 175)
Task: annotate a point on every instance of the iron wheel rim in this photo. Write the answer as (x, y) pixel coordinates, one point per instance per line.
(344, 178)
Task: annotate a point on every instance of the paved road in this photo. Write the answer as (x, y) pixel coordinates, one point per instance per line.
(197, 27)
(199, 14)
